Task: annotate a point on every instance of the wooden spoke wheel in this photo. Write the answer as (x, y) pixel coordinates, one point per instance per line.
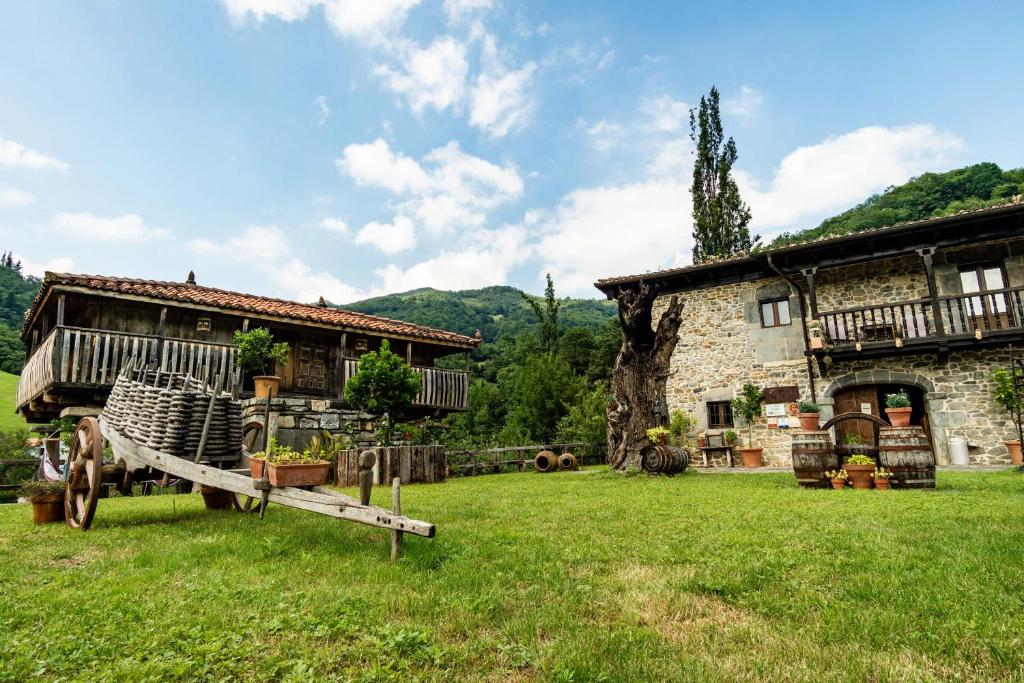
(244, 503)
(85, 474)
(252, 437)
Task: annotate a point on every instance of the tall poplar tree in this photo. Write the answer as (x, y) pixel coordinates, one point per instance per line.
(720, 217)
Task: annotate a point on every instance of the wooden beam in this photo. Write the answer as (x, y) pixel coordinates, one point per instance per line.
(60, 310)
(811, 292)
(933, 291)
(408, 352)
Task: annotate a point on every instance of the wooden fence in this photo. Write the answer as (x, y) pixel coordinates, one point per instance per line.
(424, 464)
(518, 458)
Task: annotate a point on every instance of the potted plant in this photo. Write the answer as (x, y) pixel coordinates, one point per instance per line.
(859, 468)
(897, 407)
(881, 477)
(837, 477)
(287, 467)
(748, 406)
(258, 354)
(47, 498)
(658, 435)
(1005, 395)
(808, 416)
(730, 437)
(680, 427)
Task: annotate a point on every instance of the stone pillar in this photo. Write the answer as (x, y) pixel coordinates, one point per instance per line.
(939, 420)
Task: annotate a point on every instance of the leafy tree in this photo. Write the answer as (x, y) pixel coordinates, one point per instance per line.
(257, 352)
(607, 343)
(586, 419)
(539, 394)
(720, 217)
(748, 406)
(483, 420)
(577, 347)
(384, 385)
(547, 316)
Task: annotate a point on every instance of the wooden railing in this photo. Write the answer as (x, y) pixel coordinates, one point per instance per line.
(996, 310)
(86, 357)
(959, 314)
(518, 458)
(439, 387)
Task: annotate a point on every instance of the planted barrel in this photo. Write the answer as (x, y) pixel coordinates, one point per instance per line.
(813, 455)
(567, 461)
(546, 461)
(664, 459)
(906, 452)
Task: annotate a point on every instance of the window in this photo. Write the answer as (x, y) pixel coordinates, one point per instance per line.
(775, 313)
(984, 279)
(719, 414)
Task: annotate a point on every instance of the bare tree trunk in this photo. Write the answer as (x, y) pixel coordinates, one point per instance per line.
(641, 370)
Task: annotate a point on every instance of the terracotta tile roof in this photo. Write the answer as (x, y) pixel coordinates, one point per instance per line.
(186, 293)
(869, 233)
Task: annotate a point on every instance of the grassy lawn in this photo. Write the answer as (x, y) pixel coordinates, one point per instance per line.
(566, 577)
(8, 397)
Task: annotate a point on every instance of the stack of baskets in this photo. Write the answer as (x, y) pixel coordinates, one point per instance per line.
(167, 413)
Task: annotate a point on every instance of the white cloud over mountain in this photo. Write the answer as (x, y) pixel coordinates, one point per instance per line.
(126, 228)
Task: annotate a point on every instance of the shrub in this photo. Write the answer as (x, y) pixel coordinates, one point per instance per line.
(384, 385)
(852, 440)
(655, 432)
(897, 400)
(34, 489)
(731, 436)
(680, 427)
(257, 351)
(748, 406)
(809, 407)
(1005, 394)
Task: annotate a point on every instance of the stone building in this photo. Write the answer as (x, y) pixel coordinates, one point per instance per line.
(930, 307)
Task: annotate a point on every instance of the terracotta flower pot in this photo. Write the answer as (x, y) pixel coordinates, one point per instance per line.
(1014, 448)
(47, 509)
(266, 386)
(752, 457)
(314, 474)
(216, 499)
(899, 417)
(838, 484)
(256, 467)
(860, 475)
(808, 421)
(882, 484)
(662, 439)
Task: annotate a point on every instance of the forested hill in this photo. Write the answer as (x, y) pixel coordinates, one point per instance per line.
(927, 196)
(16, 294)
(495, 311)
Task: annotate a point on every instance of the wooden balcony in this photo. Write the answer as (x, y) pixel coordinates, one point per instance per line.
(439, 388)
(952, 321)
(76, 366)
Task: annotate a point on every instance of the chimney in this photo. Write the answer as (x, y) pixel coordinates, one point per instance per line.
(191, 279)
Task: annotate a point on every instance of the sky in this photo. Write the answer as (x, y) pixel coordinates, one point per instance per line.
(352, 148)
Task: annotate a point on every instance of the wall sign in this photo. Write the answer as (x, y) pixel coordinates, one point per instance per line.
(775, 410)
(865, 408)
(781, 394)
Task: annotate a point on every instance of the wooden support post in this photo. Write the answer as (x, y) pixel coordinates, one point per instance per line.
(60, 310)
(209, 418)
(933, 291)
(396, 507)
(811, 292)
(245, 324)
(162, 333)
(341, 366)
(366, 462)
(408, 352)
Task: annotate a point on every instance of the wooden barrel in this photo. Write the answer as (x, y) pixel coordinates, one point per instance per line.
(546, 461)
(567, 461)
(813, 455)
(906, 452)
(664, 459)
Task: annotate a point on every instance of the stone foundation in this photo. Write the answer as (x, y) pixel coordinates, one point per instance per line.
(294, 421)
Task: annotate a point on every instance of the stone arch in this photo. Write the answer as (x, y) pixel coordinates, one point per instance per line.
(879, 377)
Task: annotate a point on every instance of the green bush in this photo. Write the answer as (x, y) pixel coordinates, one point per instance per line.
(1004, 393)
(257, 351)
(384, 385)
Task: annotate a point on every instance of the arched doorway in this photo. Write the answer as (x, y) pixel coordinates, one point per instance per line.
(870, 399)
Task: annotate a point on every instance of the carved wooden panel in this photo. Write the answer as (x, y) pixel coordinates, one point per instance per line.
(310, 368)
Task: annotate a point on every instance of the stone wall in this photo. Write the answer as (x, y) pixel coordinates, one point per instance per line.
(294, 421)
(722, 346)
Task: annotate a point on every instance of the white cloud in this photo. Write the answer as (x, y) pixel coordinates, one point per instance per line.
(457, 10)
(390, 238)
(605, 61)
(589, 59)
(15, 154)
(665, 114)
(499, 102)
(484, 258)
(672, 157)
(450, 189)
(371, 21)
(12, 196)
(604, 135)
(335, 225)
(434, 76)
(614, 230)
(843, 170)
(323, 111)
(61, 264)
(126, 228)
(744, 104)
(266, 249)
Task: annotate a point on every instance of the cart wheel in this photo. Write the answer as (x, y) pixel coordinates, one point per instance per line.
(244, 503)
(85, 474)
(252, 437)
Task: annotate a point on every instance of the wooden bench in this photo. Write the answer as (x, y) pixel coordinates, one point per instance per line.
(714, 444)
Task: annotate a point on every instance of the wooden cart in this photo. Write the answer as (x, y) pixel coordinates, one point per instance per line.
(133, 461)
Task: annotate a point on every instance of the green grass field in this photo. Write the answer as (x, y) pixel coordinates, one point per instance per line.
(564, 577)
(8, 396)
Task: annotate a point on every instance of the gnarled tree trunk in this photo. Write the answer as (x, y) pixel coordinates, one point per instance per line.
(641, 370)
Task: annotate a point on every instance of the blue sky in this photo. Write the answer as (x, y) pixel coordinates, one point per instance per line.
(343, 148)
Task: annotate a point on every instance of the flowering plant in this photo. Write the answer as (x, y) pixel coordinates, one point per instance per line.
(859, 459)
(882, 473)
(837, 474)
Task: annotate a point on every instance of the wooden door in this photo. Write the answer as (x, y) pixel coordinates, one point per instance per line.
(988, 311)
(855, 400)
(310, 368)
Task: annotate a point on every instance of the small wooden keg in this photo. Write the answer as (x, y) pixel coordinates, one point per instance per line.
(906, 452)
(813, 455)
(662, 459)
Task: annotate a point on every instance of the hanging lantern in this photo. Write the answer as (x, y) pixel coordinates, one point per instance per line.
(362, 344)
